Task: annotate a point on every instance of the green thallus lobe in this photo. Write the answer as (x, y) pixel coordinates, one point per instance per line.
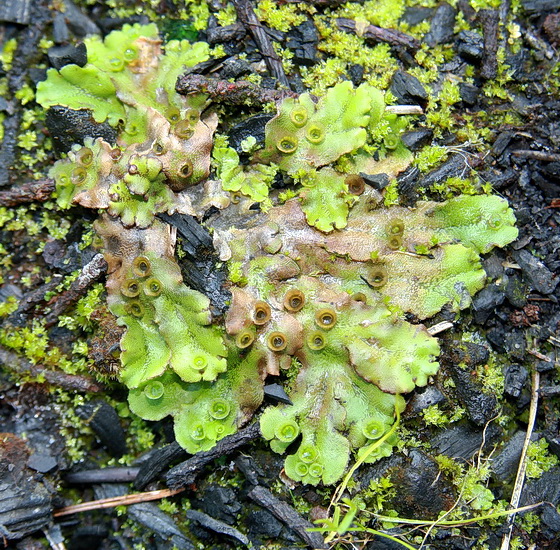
(321, 282)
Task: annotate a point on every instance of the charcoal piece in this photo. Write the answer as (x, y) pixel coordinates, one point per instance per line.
(221, 503)
(217, 526)
(88, 537)
(426, 398)
(407, 185)
(464, 442)
(276, 394)
(105, 422)
(227, 34)
(253, 126)
(377, 181)
(552, 170)
(416, 139)
(515, 344)
(505, 463)
(469, 93)
(551, 519)
(16, 11)
(549, 391)
(499, 179)
(263, 524)
(415, 15)
(539, 276)
(302, 41)
(544, 489)
(74, 259)
(78, 22)
(287, 515)
(53, 252)
(160, 524)
(197, 238)
(59, 56)
(249, 469)
(515, 378)
(455, 166)
(536, 7)
(502, 141)
(470, 46)
(68, 127)
(549, 188)
(234, 67)
(486, 301)
(201, 267)
(158, 462)
(493, 267)
(481, 407)
(545, 366)
(408, 89)
(441, 28)
(356, 73)
(42, 463)
(422, 490)
(248, 18)
(496, 336)
(102, 475)
(25, 504)
(61, 32)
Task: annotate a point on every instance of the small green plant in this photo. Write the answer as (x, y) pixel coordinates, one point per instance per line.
(320, 279)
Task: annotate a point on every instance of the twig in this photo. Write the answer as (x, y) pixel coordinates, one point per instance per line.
(440, 327)
(404, 109)
(91, 272)
(35, 191)
(371, 33)
(73, 382)
(124, 500)
(540, 355)
(229, 93)
(537, 155)
(249, 20)
(490, 21)
(520, 478)
(103, 475)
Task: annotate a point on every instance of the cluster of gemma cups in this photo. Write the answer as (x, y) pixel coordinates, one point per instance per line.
(277, 341)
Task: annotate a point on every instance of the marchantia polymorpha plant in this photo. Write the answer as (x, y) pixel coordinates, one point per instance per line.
(320, 281)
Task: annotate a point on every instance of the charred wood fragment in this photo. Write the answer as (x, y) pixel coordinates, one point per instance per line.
(250, 21)
(35, 191)
(73, 382)
(185, 473)
(287, 515)
(230, 93)
(490, 20)
(25, 503)
(91, 272)
(152, 468)
(375, 34)
(102, 475)
(105, 422)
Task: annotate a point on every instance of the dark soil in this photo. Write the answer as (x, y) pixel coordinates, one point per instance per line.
(63, 433)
